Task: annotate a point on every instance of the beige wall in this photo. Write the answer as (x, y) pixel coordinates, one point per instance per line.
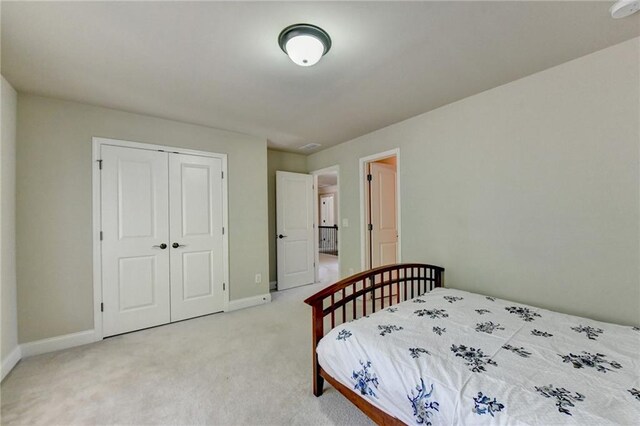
(54, 205)
(529, 191)
(8, 305)
(286, 162)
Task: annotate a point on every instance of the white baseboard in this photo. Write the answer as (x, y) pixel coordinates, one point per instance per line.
(10, 361)
(273, 285)
(247, 302)
(58, 343)
(66, 341)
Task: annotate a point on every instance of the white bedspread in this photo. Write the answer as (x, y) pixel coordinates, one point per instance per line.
(456, 358)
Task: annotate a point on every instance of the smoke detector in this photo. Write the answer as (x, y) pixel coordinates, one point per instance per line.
(624, 8)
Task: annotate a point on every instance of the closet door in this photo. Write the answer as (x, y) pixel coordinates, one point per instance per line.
(135, 225)
(197, 256)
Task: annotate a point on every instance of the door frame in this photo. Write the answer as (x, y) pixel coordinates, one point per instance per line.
(395, 152)
(97, 143)
(316, 218)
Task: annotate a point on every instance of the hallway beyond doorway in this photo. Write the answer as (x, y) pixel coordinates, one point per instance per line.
(328, 271)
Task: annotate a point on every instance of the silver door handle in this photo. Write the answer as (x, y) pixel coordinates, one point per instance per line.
(161, 246)
(176, 245)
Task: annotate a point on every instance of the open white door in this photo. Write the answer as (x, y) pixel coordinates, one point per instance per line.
(383, 210)
(197, 250)
(135, 225)
(294, 228)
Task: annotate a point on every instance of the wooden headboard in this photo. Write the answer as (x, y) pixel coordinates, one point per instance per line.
(364, 293)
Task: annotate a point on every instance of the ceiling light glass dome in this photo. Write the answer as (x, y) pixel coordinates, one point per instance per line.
(305, 44)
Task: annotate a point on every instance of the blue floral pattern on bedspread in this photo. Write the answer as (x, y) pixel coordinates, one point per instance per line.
(387, 329)
(415, 352)
(591, 332)
(485, 405)
(423, 407)
(473, 357)
(525, 313)
(365, 379)
(432, 313)
(596, 361)
(539, 333)
(518, 351)
(488, 327)
(563, 397)
(343, 335)
(439, 330)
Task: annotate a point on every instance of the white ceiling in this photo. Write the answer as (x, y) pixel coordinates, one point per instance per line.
(219, 64)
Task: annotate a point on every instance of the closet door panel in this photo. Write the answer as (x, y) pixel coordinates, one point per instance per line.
(196, 218)
(135, 223)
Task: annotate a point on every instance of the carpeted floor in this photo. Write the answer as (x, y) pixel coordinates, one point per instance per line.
(248, 367)
(328, 271)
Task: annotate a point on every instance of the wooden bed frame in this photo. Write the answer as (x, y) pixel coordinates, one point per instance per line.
(367, 292)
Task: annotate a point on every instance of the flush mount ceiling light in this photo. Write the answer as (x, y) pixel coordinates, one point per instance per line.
(624, 8)
(305, 44)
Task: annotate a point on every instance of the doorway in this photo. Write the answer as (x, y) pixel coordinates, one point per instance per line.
(327, 197)
(380, 209)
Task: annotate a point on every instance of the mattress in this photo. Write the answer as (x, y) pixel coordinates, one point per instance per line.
(457, 358)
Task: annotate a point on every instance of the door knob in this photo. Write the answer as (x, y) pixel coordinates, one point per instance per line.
(282, 236)
(176, 245)
(162, 246)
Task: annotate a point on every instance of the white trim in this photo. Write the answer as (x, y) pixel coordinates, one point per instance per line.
(225, 223)
(97, 143)
(153, 147)
(338, 220)
(10, 361)
(248, 302)
(363, 220)
(95, 227)
(316, 223)
(60, 342)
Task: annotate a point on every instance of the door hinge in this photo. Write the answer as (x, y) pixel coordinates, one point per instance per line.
(224, 286)
(369, 177)
(99, 164)
(223, 230)
(101, 307)
(101, 236)
(222, 175)
(370, 227)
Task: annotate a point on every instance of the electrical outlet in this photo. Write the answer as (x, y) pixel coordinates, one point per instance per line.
(258, 278)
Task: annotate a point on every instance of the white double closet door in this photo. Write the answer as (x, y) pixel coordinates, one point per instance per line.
(162, 237)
